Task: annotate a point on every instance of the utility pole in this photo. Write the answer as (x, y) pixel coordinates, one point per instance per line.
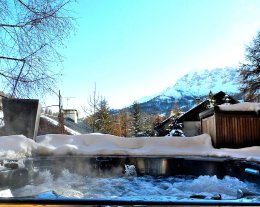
(60, 116)
(67, 98)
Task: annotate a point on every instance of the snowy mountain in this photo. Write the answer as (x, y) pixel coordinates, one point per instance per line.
(195, 84)
(199, 83)
(189, 87)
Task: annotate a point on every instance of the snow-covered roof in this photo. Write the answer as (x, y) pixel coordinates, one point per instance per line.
(246, 106)
(56, 123)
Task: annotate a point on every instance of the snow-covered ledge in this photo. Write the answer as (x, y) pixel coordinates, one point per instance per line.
(246, 106)
(19, 146)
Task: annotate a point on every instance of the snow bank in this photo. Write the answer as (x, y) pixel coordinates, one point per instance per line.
(246, 106)
(98, 144)
(16, 146)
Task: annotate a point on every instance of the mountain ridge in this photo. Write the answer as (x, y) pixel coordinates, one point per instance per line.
(226, 79)
(194, 85)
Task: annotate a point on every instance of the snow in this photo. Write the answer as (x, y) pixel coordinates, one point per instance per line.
(16, 146)
(1, 118)
(6, 193)
(199, 83)
(246, 106)
(99, 144)
(146, 98)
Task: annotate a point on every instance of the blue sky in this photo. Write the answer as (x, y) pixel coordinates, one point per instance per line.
(136, 48)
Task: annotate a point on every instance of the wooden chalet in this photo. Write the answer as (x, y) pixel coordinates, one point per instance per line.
(232, 126)
(191, 119)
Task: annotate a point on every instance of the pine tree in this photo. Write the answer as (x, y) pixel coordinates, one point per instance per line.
(250, 71)
(147, 121)
(211, 99)
(103, 118)
(136, 119)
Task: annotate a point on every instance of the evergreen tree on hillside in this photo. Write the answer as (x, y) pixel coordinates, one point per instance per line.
(250, 71)
(211, 99)
(147, 125)
(103, 118)
(136, 119)
(122, 124)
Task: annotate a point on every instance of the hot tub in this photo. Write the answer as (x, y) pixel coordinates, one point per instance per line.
(130, 180)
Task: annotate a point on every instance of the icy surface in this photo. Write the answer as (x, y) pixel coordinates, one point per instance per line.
(129, 187)
(98, 144)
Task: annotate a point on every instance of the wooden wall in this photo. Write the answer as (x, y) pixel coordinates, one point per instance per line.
(233, 130)
(208, 126)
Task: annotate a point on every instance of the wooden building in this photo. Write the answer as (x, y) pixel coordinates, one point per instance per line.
(191, 119)
(50, 125)
(232, 126)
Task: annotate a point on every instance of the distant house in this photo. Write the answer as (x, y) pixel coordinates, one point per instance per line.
(232, 126)
(23, 116)
(50, 125)
(71, 114)
(191, 119)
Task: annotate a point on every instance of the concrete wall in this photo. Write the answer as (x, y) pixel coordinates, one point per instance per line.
(21, 116)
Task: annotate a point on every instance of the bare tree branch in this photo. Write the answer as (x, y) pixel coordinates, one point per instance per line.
(250, 71)
(30, 32)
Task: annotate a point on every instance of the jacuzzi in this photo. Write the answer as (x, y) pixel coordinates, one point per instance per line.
(130, 180)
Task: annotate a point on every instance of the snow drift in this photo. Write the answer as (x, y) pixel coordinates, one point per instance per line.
(19, 146)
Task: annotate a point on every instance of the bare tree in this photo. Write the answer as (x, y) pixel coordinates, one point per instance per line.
(30, 30)
(91, 109)
(250, 71)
